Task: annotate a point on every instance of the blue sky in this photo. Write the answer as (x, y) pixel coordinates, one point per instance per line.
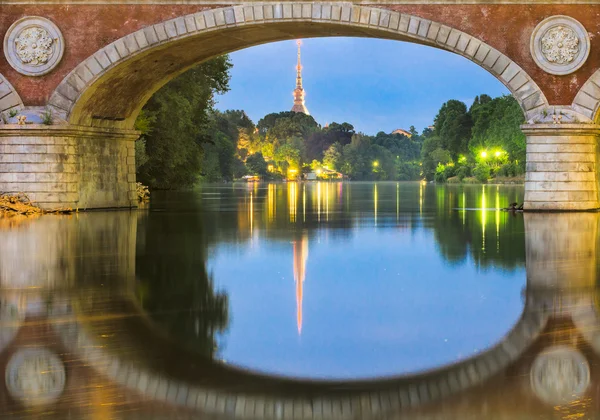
(374, 84)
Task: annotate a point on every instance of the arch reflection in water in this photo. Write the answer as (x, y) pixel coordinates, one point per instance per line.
(131, 359)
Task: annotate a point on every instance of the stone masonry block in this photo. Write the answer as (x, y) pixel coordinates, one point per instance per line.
(346, 13)
(364, 16)
(404, 23)
(243, 14)
(356, 11)
(307, 11)
(374, 18)
(297, 10)
(68, 91)
(119, 45)
(384, 19)
(102, 59)
(491, 58)
(482, 53)
(562, 157)
(592, 90)
(394, 21)
(179, 26)
(554, 186)
(140, 38)
(518, 81)
(151, 35)
(84, 73)
(209, 18)
(269, 13)
(510, 72)
(561, 148)
(229, 16)
(4, 89)
(170, 29)
(59, 101)
(287, 11)
(463, 42)
(472, 48)
(584, 100)
(442, 36)
(94, 66)
(190, 23)
(277, 11)
(259, 12)
(453, 37)
(326, 12)
(434, 29)
(501, 65)
(131, 43)
(423, 28)
(9, 101)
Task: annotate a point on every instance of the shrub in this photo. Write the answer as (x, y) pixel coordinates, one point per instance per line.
(463, 172)
(482, 172)
(509, 169)
(453, 180)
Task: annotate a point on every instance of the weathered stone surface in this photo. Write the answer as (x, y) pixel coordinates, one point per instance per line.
(67, 166)
(561, 167)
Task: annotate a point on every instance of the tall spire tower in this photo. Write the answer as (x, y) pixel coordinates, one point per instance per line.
(299, 91)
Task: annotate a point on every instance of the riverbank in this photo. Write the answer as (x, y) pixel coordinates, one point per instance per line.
(502, 180)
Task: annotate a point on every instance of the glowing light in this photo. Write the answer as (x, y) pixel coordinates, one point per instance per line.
(270, 168)
(483, 154)
(318, 171)
(375, 164)
(497, 154)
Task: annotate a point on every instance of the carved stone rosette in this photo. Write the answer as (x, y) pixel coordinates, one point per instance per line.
(33, 46)
(35, 376)
(560, 375)
(560, 45)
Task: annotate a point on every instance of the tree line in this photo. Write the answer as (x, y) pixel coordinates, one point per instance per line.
(186, 140)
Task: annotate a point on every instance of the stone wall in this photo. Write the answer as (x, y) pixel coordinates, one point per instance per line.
(64, 166)
(561, 167)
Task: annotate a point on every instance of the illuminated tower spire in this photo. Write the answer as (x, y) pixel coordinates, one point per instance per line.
(299, 91)
(300, 256)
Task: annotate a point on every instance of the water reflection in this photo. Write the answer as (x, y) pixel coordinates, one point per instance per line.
(129, 307)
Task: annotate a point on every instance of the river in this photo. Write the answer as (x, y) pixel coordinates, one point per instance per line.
(310, 281)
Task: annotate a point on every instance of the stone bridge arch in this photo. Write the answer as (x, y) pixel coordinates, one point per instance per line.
(110, 87)
(249, 395)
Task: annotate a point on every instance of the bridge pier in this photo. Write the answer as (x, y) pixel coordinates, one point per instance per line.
(562, 164)
(69, 166)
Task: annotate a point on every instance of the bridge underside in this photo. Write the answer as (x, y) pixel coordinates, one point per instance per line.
(86, 158)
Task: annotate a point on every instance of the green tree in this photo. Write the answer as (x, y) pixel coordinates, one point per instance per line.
(256, 164)
(178, 120)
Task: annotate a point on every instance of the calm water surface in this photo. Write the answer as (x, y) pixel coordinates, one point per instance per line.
(318, 300)
(334, 280)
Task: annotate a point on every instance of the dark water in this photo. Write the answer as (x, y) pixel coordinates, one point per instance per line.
(332, 300)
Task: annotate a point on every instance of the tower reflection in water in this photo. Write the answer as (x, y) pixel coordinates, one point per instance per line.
(76, 341)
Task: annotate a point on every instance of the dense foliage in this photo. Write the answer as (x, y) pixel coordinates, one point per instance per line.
(177, 126)
(482, 142)
(186, 140)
